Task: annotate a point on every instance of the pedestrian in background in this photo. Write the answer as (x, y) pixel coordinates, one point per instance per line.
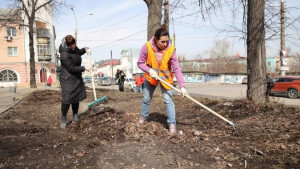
(157, 59)
(143, 80)
(49, 81)
(121, 79)
(70, 77)
(270, 85)
(138, 84)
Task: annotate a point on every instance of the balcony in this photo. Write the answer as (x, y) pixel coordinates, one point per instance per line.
(43, 36)
(46, 58)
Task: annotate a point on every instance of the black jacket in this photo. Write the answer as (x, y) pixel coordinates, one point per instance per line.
(120, 76)
(70, 75)
(270, 83)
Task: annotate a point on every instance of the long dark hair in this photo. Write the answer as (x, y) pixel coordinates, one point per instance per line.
(161, 32)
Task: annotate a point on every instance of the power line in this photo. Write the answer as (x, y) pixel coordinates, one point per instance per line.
(119, 22)
(120, 39)
(98, 40)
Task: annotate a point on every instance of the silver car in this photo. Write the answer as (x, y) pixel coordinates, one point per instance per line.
(87, 79)
(104, 81)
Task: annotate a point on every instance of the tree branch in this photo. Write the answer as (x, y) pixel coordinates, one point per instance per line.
(147, 2)
(44, 4)
(25, 8)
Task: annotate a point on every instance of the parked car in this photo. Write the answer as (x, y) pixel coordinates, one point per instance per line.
(129, 83)
(87, 79)
(288, 85)
(104, 81)
(115, 81)
(97, 79)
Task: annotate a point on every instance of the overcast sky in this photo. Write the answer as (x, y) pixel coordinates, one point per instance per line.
(121, 24)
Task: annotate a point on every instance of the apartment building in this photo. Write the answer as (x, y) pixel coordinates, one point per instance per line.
(14, 49)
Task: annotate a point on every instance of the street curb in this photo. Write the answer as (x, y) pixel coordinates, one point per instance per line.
(13, 105)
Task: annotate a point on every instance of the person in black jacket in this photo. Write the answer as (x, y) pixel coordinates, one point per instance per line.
(121, 79)
(270, 85)
(70, 77)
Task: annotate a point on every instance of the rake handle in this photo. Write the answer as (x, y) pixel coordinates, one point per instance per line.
(92, 74)
(202, 105)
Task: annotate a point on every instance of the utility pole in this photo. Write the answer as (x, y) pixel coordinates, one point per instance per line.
(282, 37)
(112, 69)
(75, 24)
(166, 14)
(76, 21)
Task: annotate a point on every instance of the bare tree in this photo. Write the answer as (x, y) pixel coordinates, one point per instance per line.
(154, 16)
(223, 62)
(30, 9)
(256, 51)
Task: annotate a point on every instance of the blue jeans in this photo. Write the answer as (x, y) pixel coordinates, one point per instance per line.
(167, 97)
(139, 88)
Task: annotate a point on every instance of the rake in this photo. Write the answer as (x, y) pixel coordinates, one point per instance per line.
(93, 83)
(202, 105)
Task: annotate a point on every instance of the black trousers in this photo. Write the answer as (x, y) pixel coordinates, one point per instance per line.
(65, 108)
(121, 86)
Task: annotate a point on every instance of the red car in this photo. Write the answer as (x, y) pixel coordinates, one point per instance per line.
(287, 85)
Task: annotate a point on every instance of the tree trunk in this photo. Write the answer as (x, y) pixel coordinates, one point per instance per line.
(256, 53)
(166, 14)
(31, 50)
(154, 16)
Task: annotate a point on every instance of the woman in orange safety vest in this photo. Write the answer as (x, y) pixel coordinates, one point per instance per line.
(158, 59)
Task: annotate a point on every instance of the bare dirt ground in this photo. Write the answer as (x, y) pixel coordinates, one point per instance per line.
(108, 136)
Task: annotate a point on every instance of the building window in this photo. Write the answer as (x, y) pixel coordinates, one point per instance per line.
(11, 31)
(44, 50)
(12, 51)
(8, 76)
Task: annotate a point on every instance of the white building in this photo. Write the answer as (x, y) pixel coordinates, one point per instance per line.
(105, 68)
(129, 60)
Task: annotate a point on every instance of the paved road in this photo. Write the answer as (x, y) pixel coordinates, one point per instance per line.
(227, 91)
(7, 98)
(231, 91)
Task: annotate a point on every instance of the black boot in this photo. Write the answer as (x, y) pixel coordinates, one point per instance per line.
(63, 123)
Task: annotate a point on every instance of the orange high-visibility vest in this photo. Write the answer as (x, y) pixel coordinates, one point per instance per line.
(164, 71)
(138, 81)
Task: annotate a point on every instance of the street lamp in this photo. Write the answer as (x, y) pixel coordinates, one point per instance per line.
(76, 30)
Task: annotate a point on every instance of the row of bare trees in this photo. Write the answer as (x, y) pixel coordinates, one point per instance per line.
(215, 60)
(294, 63)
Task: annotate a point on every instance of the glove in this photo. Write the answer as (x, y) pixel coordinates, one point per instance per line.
(153, 74)
(88, 51)
(183, 91)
